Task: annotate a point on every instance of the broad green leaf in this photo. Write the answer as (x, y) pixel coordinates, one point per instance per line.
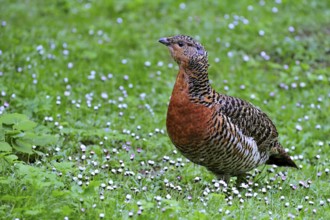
(12, 132)
(23, 146)
(11, 158)
(14, 118)
(42, 140)
(25, 125)
(4, 146)
(20, 134)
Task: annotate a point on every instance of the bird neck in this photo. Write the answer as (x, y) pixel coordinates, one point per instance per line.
(198, 64)
(197, 83)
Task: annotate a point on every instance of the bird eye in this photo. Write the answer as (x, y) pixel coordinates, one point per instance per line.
(181, 44)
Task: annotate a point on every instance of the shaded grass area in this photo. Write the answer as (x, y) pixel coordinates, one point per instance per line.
(92, 74)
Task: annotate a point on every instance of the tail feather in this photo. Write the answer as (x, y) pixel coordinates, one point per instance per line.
(281, 160)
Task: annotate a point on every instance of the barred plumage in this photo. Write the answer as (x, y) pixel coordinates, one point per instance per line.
(227, 135)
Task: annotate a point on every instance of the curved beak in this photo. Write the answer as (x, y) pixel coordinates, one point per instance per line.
(164, 40)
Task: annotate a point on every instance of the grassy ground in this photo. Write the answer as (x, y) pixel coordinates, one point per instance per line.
(90, 84)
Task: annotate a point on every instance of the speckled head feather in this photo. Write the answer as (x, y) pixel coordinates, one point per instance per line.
(187, 52)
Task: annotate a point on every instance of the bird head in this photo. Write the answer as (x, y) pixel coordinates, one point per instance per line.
(187, 52)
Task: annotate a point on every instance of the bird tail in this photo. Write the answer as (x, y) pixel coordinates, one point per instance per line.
(281, 158)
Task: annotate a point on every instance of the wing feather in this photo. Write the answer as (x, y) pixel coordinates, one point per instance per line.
(249, 119)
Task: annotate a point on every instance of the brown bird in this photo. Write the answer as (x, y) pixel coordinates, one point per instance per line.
(227, 135)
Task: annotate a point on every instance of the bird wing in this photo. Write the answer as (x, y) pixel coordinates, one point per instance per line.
(238, 151)
(250, 120)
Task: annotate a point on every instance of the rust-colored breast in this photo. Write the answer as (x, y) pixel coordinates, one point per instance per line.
(187, 122)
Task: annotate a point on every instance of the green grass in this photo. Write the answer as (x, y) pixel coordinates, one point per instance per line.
(80, 70)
